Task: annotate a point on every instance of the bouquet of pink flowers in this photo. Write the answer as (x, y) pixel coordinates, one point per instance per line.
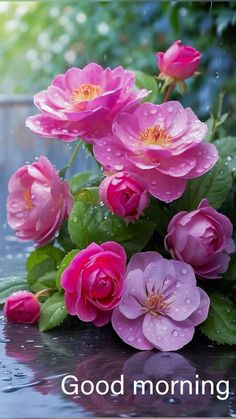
(146, 243)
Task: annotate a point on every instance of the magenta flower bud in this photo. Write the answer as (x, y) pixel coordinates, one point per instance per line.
(179, 61)
(161, 304)
(202, 238)
(38, 202)
(93, 282)
(124, 194)
(22, 307)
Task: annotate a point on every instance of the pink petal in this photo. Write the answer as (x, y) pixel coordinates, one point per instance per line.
(166, 334)
(163, 187)
(103, 318)
(200, 315)
(183, 296)
(130, 331)
(86, 311)
(205, 155)
(70, 303)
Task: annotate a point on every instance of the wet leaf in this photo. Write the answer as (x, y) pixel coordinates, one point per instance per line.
(42, 261)
(89, 223)
(53, 312)
(227, 150)
(221, 323)
(145, 81)
(214, 185)
(11, 284)
(63, 265)
(82, 180)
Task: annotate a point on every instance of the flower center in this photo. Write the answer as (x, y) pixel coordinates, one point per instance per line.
(28, 200)
(85, 91)
(155, 135)
(156, 304)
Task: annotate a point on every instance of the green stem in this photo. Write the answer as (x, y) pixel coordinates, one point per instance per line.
(168, 92)
(71, 159)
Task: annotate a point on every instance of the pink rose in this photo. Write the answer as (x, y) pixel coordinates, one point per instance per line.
(83, 102)
(38, 201)
(163, 144)
(161, 304)
(201, 238)
(124, 194)
(93, 282)
(179, 61)
(22, 307)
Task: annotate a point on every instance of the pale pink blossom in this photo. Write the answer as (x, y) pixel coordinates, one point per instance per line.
(83, 102)
(202, 238)
(38, 201)
(161, 304)
(163, 144)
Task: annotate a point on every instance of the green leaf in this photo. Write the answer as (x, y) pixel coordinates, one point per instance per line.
(48, 280)
(89, 195)
(64, 238)
(42, 261)
(220, 325)
(82, 180)
(11, 284)
(53, 312)
(64, 263)
(89, 223)
(227, 150)
(174, 17)
(214, 185)
(230, 275)
(145, 81)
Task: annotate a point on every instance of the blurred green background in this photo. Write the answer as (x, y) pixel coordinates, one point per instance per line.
(41, 39)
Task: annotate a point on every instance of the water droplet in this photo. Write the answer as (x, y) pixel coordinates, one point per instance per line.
(171, 400)
(175, 333)
(188, 301)
(184, 271)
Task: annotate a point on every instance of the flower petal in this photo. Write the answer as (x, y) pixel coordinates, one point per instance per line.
(130, 331)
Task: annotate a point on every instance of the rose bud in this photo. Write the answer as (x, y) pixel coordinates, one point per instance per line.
(201, 238)
(38, 202)
(22, 307)
(93, 282)
(179, 61)
(124, 194)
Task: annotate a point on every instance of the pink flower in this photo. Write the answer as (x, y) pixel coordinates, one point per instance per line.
(161, 304)
(38, 201)
(179, 61)
(93, 282)
(202, 238)
(83, 102)
(124, 194)
(22, 307)
(163, 144)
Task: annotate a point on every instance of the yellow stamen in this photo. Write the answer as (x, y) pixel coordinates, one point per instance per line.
(156, 136)
(85, 91)
(28, 200)
(156, 304)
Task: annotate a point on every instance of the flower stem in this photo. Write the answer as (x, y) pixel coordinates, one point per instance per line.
(71, 159)
(168, 92)
(43, 293)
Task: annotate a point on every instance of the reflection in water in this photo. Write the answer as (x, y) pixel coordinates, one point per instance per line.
(33, 365)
